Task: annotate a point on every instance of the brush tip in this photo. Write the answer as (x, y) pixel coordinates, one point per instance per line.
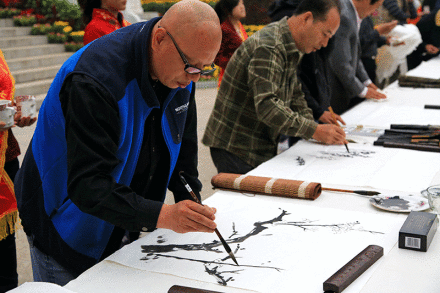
(233, 258)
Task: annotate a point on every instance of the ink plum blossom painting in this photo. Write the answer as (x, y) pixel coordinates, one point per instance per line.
(278, 244)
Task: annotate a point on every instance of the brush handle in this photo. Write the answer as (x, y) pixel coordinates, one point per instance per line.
(437, 107)
(336, 189)
(196, 199)
(225, 245)
(414, 126)
(361, 192)
(417, 147)
(336, 122)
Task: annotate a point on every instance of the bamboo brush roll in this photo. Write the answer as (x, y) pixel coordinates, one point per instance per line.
(266, 185)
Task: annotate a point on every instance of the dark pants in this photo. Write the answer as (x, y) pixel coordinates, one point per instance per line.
(11, 168)
(8, 267)
(370, 68)
(225, 162)
(418, 56)
(8, 254)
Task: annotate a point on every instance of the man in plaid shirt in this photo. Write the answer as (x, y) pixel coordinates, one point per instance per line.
(260, 97)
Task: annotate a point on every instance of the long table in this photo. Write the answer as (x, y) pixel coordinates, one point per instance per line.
(306, 256)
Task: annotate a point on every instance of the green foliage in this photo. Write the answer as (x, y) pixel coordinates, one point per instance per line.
(56, 38)
(73, 46)
(55, 10)
(152, 6)
(9, 12)
(77, 37)
(40, 29)
(67, 11)
(25, 20)
(162, 7)
(44, 7)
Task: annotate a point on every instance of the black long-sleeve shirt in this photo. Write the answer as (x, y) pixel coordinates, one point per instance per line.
(92, 117)
(369, 38)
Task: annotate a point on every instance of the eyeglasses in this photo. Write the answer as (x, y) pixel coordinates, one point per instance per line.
(191, 69)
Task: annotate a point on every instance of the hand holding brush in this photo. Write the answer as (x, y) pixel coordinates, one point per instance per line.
(336, 122)
(196, 199)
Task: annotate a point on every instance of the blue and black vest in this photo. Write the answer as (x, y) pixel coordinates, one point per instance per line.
(118, 62)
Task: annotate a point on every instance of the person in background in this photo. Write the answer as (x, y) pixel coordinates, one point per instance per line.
(102, 17)
(349, 82)
(115, 130)
(372, 38)
(311, 71)
(400, 10)
(280, 8)
(9, 151)
(230, 12)
(429, 27)
(433, 5)
(260, 96)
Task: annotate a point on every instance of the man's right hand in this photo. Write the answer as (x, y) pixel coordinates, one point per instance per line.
(386, 28)
(431, 49)
(187, 216)
(374, 94)
(329, 134)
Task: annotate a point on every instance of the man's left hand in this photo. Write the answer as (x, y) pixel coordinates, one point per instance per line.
(23, 121)
(327, 118)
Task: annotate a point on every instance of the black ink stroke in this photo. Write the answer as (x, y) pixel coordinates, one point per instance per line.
(334, 155)
(212, 267)
(300, 161)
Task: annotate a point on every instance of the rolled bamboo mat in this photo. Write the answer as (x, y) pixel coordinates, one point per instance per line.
(421, 82)
(266, 185)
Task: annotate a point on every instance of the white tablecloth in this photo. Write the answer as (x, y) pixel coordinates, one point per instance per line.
(398, 271)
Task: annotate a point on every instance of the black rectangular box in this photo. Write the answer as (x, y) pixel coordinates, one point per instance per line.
(417, 231)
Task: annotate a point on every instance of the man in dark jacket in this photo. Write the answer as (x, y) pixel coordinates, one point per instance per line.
(429, 27)
(371, 38)
(115, 129)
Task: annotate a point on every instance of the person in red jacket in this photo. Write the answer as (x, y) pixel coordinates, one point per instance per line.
(9, 151)
(230, 12)
(102, 17)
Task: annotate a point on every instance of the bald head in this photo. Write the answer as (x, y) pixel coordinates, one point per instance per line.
(188, 16)
(196, 31)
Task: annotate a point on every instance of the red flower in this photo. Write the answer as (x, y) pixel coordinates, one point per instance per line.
(27, 11)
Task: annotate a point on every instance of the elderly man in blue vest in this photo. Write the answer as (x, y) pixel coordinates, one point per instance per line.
(116, 128)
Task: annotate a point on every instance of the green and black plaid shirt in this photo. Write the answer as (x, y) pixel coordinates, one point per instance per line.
(260, 98)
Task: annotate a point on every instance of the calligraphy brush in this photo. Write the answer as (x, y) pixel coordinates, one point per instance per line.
(196, 199)
(336, 122)
(361, 192)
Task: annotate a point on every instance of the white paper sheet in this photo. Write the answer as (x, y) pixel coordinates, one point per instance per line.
(279, 246)
(40, 287)
(403, 106)
(402, 115)
(365, 165)
(428, 69)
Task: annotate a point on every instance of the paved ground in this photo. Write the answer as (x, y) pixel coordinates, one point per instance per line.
(205, 101)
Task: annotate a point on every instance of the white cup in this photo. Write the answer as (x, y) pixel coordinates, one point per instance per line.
(4, 104)
(27, 105)
(6, 113)
(426, 9)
